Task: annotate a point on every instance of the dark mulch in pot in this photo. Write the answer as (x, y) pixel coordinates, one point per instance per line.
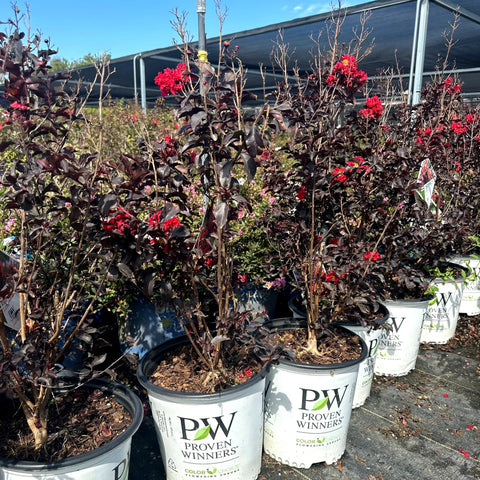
(78, 422)
(180, 370)
(334, 346)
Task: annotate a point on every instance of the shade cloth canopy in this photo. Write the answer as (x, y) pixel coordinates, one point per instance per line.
(392, 23)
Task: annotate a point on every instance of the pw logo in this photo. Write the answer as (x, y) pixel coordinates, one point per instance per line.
(198, 429)
(397, 323)
(372, 351)
(443, 298)
(314, 401)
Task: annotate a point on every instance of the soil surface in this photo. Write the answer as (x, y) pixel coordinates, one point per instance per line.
(335, 346)
(181, 371)
(78, 423)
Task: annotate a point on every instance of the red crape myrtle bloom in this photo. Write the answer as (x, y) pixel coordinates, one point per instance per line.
(373, 256)
(168, 147)
(155, 221)
(339, 175)
(359, 164)
(171, 81)
(451, 86)
(121, 223)
(346, 72)
(458, 127)
(373, 109)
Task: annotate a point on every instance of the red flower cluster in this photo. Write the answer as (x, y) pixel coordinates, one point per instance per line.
(169, 225)
(330, 277)
(358, 163)
(302, 193)
(155, 221)
(171, 81)
(451, 86)
(168, 147)
(373, 256)
(374, 108)
(19, 106)
(458, 127)
(266, 154)
(346, 72)
(469, 118)
(121, 223)
(339, 175)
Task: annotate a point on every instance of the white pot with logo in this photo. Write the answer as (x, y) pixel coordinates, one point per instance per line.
(441, 317)
(371, 336)
(470, 304)
(215, 435)
(399, 344)
(308, 408)
(108, 462)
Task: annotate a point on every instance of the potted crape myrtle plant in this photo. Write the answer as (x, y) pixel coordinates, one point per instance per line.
(205, 388)
(56, 271)
(415, 238)
(448, 135)
(330, 251)
(432, 221)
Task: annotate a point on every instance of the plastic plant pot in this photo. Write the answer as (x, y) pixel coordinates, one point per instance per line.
(214, 435)
(308, 407)
(110, 461)
(399, 344)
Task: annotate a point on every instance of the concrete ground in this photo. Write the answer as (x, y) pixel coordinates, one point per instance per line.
(423, 426)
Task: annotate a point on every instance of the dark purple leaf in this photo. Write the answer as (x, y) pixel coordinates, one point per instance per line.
(221, 214)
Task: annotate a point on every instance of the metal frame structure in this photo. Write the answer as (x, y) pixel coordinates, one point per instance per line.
(408, 40)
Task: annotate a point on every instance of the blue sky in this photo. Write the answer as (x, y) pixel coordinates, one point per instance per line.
(125, 27)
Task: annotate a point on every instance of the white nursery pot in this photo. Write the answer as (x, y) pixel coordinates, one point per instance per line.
(441, 318)
(308, 409)
(216, 435)
(470, 304)
(367, 367)
(399, 345)
(371, 336)
(108, 462)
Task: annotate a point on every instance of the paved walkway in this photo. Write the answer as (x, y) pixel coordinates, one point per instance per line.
(423, 426)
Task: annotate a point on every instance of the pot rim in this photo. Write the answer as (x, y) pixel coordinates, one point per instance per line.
(149, 362)
(128, 399)
(294, 323)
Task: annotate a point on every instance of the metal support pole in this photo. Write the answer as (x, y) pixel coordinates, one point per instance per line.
(412, 59)
(202, 41)
(135, 77)
(143, 89)
(420, 50)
